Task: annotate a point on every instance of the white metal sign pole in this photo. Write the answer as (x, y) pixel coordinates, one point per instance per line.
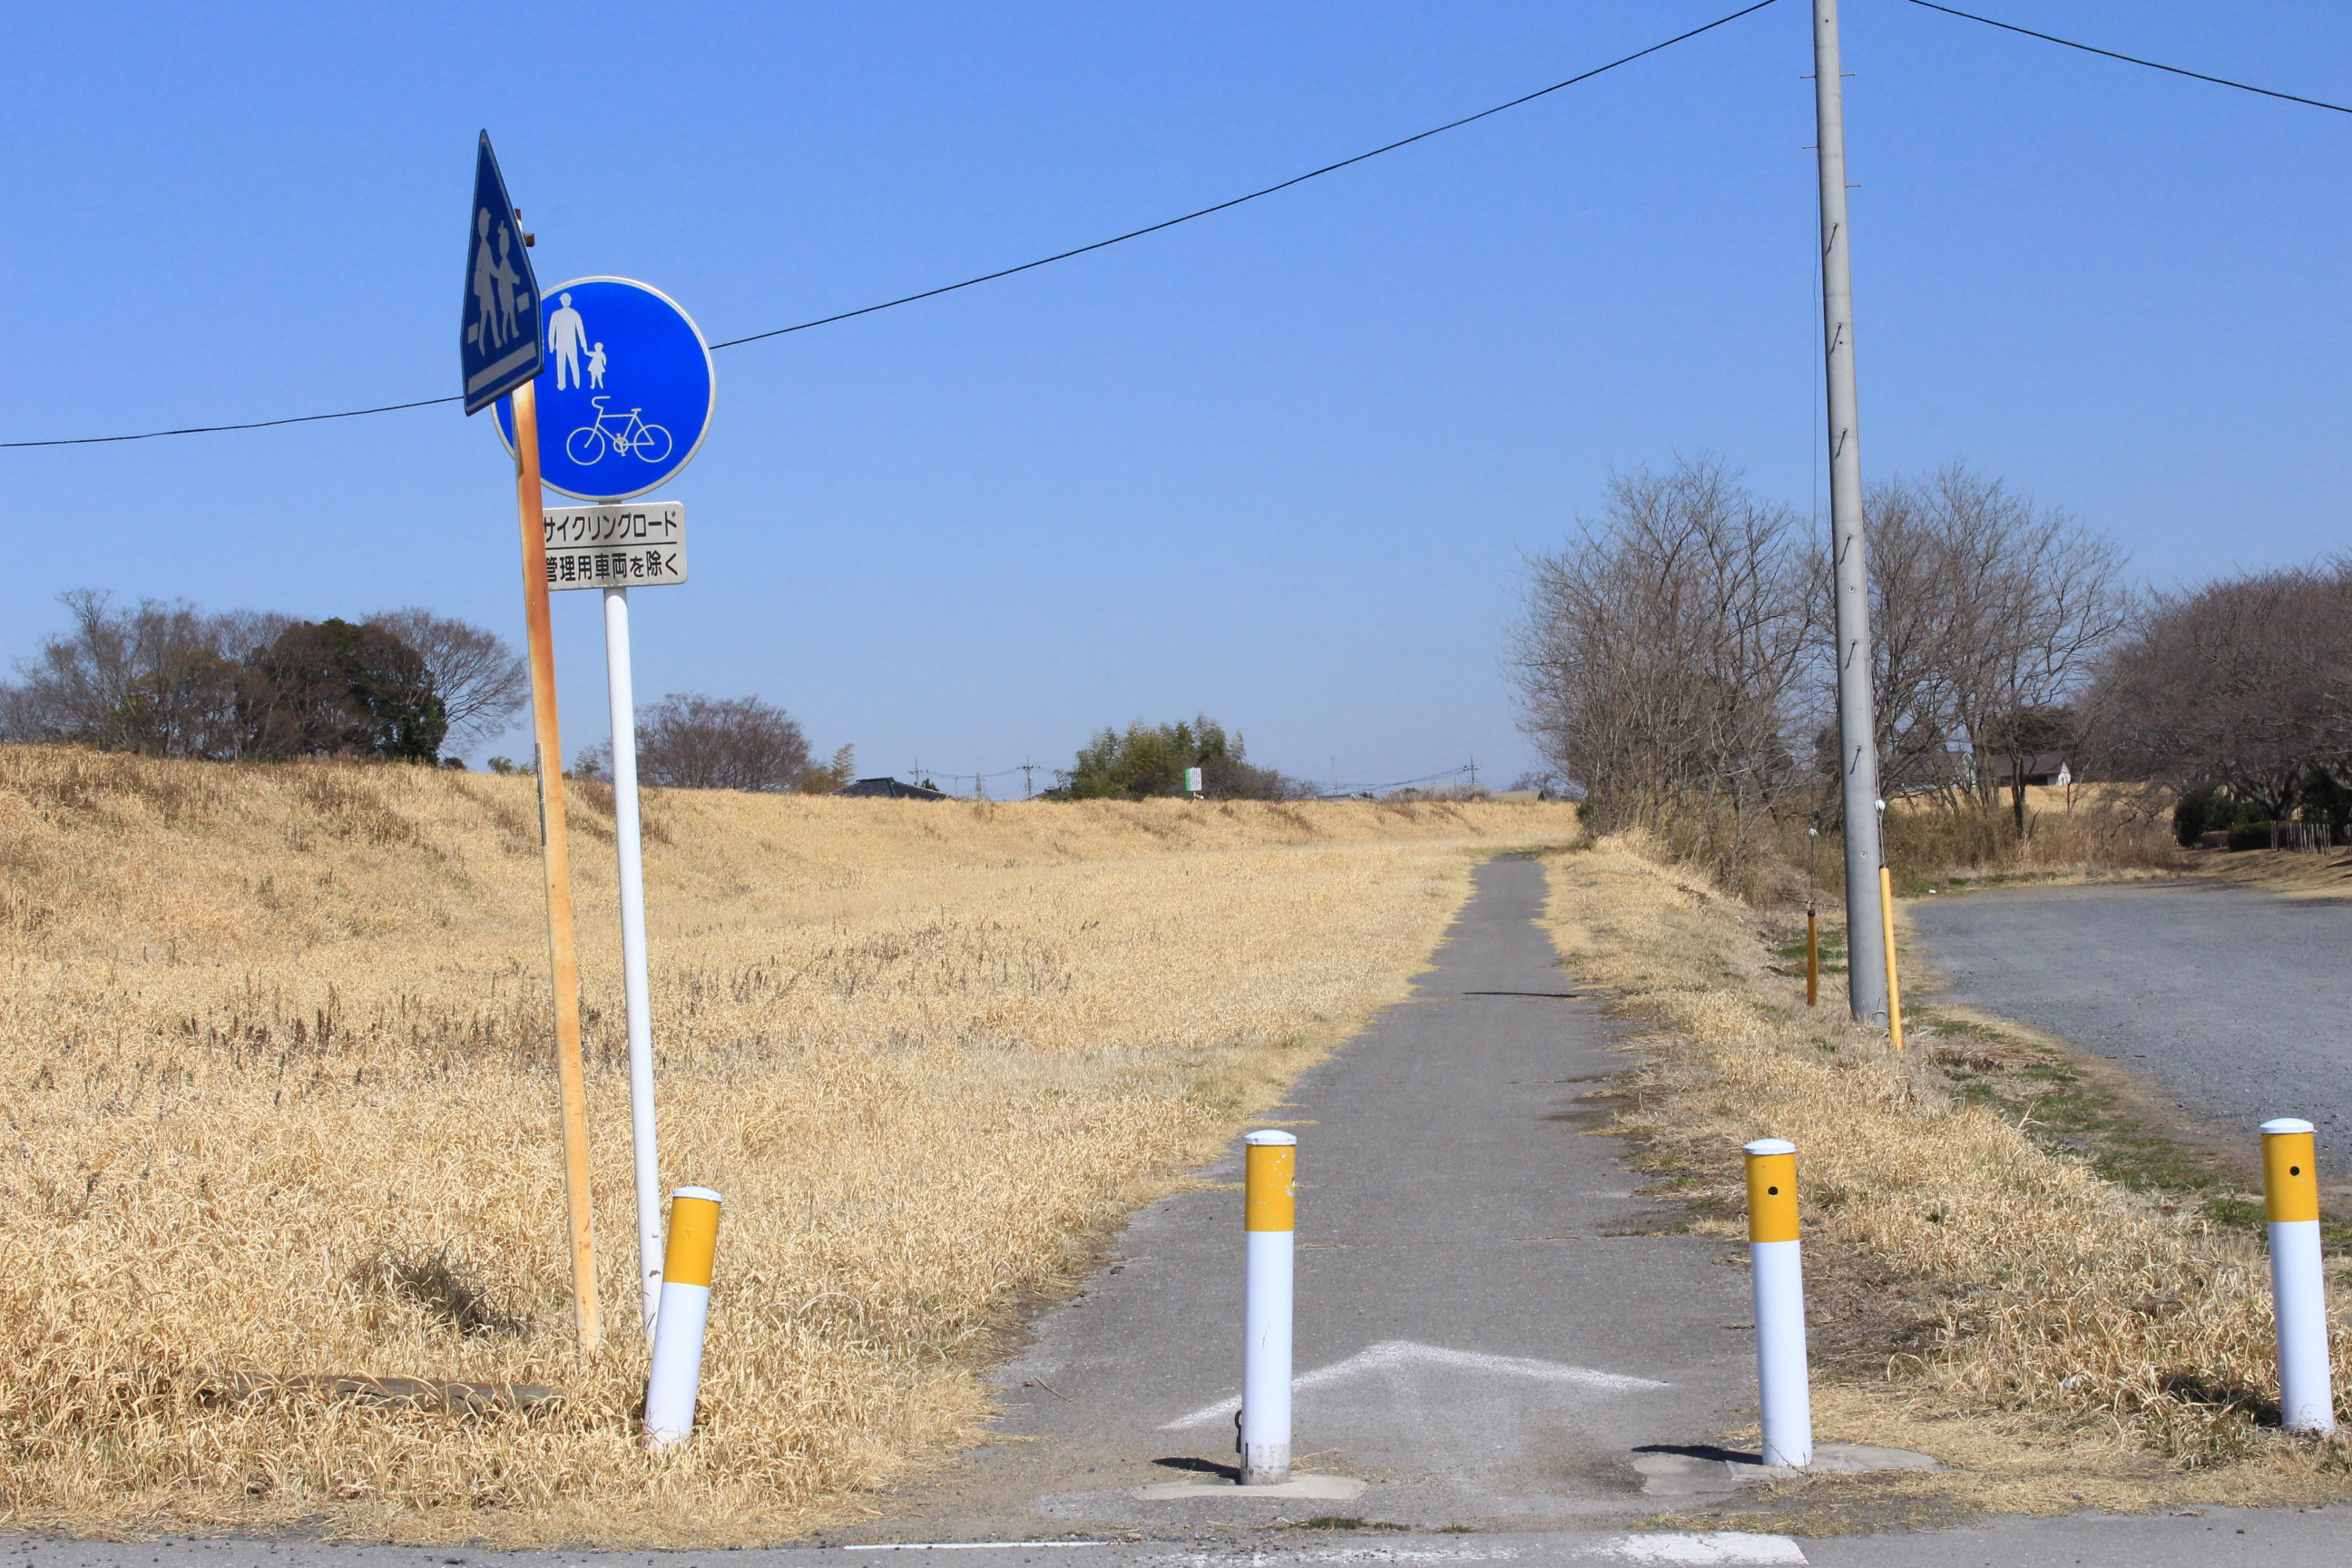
(630, 850)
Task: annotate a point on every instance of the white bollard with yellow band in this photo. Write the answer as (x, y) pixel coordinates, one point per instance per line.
(2291, 1200)
(676, 1376)
(1778, 1276)
(1269, 1217)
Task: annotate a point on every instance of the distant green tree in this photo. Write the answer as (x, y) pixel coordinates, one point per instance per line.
(334, 688)
(2325, 798)
(1146, 761)
(842, 770)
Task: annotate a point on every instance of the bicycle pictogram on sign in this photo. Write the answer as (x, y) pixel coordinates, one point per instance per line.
(616, 433)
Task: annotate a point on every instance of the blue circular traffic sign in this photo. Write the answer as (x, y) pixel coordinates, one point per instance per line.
(625, 399)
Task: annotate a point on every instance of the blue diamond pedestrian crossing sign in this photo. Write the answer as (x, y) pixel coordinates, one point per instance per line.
(500, 342)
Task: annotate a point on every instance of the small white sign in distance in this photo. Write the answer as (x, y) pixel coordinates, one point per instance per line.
(619, 546)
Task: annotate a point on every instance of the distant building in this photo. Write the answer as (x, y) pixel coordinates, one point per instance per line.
(2041, 768)
(888, 789)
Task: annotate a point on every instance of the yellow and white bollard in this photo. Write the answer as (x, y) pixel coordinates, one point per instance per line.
(677, 1374)
(1893, 976)
(1778, 1276)
(2291, 1197)
(1269, 1219)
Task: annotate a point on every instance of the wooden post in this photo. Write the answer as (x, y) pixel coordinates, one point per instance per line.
(1813, 959)
(555, 858)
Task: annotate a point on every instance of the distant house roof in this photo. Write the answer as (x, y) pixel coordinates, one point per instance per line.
(888, 789)
(2041, 768)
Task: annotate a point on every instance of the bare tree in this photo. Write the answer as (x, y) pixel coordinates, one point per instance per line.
(159, 680)
(687, 740)
(482, 682)
(1988, 617)
(2245, 684)
(1673, 653)
(1659, 662)
(2058, 601)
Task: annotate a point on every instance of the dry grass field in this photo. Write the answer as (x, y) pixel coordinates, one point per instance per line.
(279, 1100)
(2063, 1341)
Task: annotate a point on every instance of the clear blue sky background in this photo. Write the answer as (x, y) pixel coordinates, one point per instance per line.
(1280, 465)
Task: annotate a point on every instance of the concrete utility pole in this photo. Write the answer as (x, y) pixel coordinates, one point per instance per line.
(1865, 972)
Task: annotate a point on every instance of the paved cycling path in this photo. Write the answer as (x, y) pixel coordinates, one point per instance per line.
(1474, 1341)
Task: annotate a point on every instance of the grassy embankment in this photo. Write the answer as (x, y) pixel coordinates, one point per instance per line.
(2009, 1268)
(279, 1100)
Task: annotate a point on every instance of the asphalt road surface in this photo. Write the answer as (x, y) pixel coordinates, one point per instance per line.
(1482, 1332)
(2218, 1538)
(2239, 1001)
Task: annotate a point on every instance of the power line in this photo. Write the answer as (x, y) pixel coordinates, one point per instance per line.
(1339, 789)
(2132, 59)
(985, 276)
(215, 430)
(1269, 190)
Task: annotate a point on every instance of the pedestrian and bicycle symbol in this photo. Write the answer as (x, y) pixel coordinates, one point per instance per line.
(626, 394)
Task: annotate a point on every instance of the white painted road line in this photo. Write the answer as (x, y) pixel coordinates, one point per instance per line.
(1397, 1355)
(1724, 1546)
(1670, 1548)
(960, 1545)
(1276, 1558)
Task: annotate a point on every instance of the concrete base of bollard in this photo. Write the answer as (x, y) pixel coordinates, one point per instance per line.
(1329, 1488)
(1698, 1470)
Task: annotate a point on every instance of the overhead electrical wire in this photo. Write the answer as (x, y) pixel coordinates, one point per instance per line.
(985, 276)
(1207, 211)
(2132, 59)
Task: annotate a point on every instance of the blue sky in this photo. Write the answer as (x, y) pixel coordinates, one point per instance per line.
(1279, 465)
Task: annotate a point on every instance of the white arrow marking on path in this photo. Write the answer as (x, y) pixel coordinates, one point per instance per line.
(1391, 1355)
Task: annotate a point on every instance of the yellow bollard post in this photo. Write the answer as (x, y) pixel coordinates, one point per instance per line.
(1776, 1275)
(1894, 985)
(2298, 1276)
(1269, 1220)
(676, 1379)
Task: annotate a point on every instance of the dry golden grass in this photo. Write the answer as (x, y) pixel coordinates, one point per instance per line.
(2105, 832)
(279, 1100)
(2290, 873)
(2094, 1348)
(2086, 831)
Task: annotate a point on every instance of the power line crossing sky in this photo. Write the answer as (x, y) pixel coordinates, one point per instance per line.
(1277, 464)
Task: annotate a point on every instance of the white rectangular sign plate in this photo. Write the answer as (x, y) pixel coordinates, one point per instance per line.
(619, 546)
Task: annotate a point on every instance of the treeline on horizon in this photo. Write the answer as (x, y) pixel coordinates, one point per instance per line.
(170, 680)
(167, 679)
